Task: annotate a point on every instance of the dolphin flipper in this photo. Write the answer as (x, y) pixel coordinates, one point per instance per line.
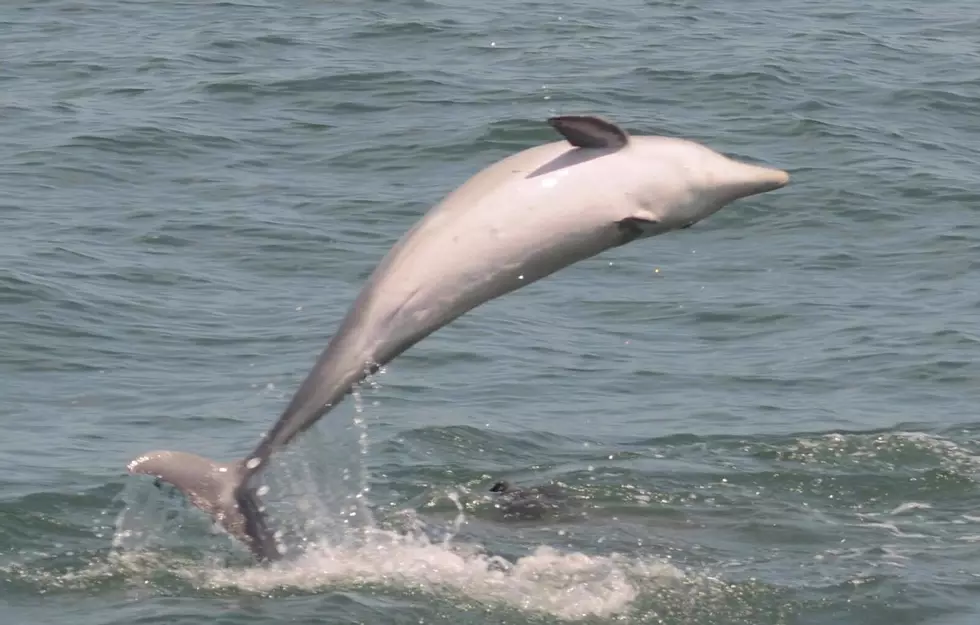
(215, 488)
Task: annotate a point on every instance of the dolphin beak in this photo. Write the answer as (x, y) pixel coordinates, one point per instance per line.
(743, 180)
(771, 179)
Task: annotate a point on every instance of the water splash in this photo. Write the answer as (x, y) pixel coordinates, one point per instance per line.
(415, 557)
(318, 495)
(363, 445)
(565, 585)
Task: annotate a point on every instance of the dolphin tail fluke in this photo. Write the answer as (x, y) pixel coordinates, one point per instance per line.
(216, 488)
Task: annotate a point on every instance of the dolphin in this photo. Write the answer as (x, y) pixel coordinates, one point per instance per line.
(529, 503)
(511, 224)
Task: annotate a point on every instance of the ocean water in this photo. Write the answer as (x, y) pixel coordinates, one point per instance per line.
(768, 418)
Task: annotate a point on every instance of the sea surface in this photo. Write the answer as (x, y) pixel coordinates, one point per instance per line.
(769, 418)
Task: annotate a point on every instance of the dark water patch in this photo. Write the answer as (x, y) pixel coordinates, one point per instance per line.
(389, 28)
(150, 140)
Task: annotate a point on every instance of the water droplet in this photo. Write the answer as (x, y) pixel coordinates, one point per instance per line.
(253, 462)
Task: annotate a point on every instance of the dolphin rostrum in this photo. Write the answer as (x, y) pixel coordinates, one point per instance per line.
(515, 222)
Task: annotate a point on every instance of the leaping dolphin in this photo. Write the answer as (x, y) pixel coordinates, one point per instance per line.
(515, 222)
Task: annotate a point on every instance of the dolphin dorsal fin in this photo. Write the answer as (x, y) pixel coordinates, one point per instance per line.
(589, 131)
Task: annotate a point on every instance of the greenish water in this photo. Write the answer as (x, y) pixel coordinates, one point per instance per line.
(768, 418)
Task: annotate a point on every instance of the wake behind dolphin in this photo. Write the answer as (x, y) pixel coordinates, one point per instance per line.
(513, 223)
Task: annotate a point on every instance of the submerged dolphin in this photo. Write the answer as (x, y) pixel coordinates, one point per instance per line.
(515, 222)
(534, 502)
